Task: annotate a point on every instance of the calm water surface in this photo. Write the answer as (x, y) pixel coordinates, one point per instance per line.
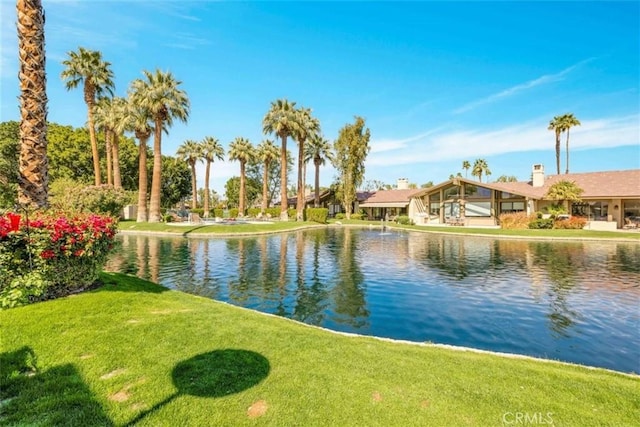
(571, 301)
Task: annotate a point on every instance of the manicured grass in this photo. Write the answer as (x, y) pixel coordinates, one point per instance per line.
(577, 234)
(132, 352)
(239, 228)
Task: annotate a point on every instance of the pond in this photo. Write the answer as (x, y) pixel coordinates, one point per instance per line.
(572, 301)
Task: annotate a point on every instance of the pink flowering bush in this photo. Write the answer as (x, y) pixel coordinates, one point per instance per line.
(51, 255)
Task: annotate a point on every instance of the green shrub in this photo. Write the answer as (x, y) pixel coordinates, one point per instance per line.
(233, 213)
(51, 255)
(199, 211)
(357, 216)
(340, 215)
(541, 223)
(516, 220)
(253, 212)
(218, 212)
(69, 195)
(404, 220)
(317, 215)
(291, 212)
(273, 212)
(573, 223)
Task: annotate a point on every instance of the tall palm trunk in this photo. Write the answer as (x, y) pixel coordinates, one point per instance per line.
(242, 196)
(194, 186)
(142, 178)
(265, 188)
(558, 150)
(316, 201)
(108, 151)
(33, 180)
(284, 204)
(300, 198)
(206, 189)
(567, 148)
(156, 177)
(115, 146)
(90, 100)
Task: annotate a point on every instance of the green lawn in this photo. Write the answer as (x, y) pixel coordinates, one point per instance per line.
(132, 352)
(239, 228)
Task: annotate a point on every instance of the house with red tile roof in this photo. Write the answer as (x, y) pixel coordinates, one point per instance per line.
(609, 199)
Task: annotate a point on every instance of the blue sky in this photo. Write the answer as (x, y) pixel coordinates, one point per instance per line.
(437, 82)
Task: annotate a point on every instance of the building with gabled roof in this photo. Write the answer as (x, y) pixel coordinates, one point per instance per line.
(609, 198)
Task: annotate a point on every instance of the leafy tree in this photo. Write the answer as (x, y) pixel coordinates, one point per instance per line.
(466, 166)
(88, 67)
(351, 149)
(255, 171)
(190, 151)
(211, 150)
(9, 153)
(232, 190)
(241, 150)
(161, 96)
(568, 121)
(318, 150)
(564, 191)
(480, 167)
(427, 184)
(505, 178)
(176, 181)
(309, 126)
(452, 176)
(33, 179)
(557, 127)
(267, 152)
(281, 120)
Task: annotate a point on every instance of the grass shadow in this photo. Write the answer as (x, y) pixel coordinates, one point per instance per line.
(120, 282)
(57, 396)
(214, 374)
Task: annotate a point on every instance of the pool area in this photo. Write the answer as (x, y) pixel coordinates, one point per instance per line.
(572, 301)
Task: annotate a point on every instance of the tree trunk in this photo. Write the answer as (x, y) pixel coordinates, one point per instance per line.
(300, 195)
(115, 146)
(108, 150)
(33, 179)
(194, 186)
(558, 152)
(89, 98)
(142, 180)
(206, 189)
(316, 201)
(283, 180)
(567, 148)
(265, 188)
(241, 196)
(154, 202)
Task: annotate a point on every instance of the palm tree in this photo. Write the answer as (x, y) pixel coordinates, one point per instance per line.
(138, 120)
(281, 120)
(241, 150)
(33, 178)
(110, 114)
(87, 67)
(190, 151)
(466, 166)
(211, 150)
(556, 125)
(267, 152)
(160, 94)
(480, 167)
(318, 150)
(568, 121)
(308, 126)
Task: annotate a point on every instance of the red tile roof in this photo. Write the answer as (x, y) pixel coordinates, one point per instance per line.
(391, 196)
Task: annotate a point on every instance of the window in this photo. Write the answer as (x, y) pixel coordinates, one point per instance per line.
(594, 210)
(510, 207)
(505, 195)
(452, 192)
(434, 208)
(631, 208)
(477, 209)
(476, 192)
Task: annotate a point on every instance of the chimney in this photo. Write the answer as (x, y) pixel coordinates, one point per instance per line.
(403, 184)
(537, 175)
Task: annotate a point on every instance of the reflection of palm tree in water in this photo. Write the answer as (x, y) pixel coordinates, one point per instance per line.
(154, 259)
(562, 263)
(142, 255)
(282, 276)
(310, 293)
(349, 293)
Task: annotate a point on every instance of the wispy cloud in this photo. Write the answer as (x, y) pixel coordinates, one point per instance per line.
(514, 90)
(443, 145)
(187, 41)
